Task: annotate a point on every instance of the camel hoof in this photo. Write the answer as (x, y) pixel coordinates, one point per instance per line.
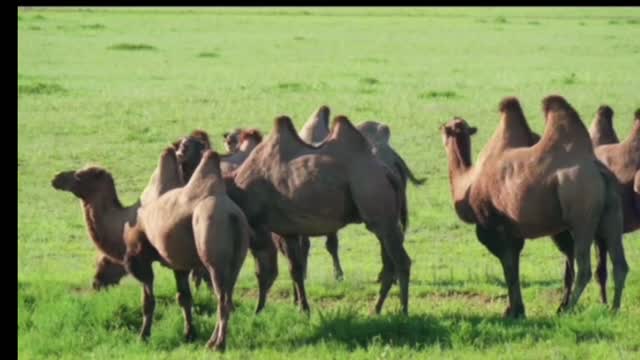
(517, 313)
(339, 276)
(214, 346)
(144, 337)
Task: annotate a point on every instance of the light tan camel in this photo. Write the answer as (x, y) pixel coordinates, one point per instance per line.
(601, 130)
(505, 199)
(183, 228)
(289, 187)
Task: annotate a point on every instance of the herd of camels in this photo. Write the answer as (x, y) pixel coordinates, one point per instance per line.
(201, 212)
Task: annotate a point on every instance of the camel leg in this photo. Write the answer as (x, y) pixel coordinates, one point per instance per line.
(392, 238)
(294, 250)
(140, 268)
(219, 288)
(601, 267)
(564, 242)
(332, 247)
(510, 260)
(266, 257)
(386, 278)
(185, 300)
(582, 248)
(610, 230)
(507, 250)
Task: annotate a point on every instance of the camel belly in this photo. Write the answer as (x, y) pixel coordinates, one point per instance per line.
(176, 247)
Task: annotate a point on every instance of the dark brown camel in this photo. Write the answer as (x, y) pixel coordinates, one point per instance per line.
(601, 130)
(184, 228)
(292, 188)
(530, 192)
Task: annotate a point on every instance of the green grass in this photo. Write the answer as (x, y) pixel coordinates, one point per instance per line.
(81, 102)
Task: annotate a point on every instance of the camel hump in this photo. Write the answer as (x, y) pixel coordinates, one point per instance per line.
(510, 104)
(343, 131)
(563, 124)
(605, 112)
(209, 166)
(286, 132)
(316, 129)
(168, 171)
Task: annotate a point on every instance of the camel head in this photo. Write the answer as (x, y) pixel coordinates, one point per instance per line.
(248, 139)
(232, 140)
(189, 151)
(84, 183)
(457, 133)
(375, 132)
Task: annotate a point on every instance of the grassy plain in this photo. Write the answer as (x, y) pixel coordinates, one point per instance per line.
(114, 86)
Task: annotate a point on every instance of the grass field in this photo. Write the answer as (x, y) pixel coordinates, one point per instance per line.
(114, 87)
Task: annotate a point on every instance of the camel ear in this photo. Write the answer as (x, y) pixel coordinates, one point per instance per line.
(225, 135)
(448, 131)
(472, 130)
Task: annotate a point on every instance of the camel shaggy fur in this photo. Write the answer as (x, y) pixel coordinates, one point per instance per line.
(530, 192)
(184, 228)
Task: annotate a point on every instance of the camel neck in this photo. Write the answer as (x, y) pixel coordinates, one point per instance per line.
(99, 214)
(460, 174)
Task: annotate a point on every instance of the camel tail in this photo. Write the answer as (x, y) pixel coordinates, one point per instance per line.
(406, 171)
(401, 198)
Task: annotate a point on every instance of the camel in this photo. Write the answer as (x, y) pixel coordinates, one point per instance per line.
(505, 196)
(291, 188)
(184, 227)
(316, 130)
(601, 130)
(623, 159)
(513, 131)
(247, 140)
(105, 218)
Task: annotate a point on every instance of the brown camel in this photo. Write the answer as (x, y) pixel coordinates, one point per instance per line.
(513, 131)
(184, 228)
(601, 130)
(105, 218)
(292, 188)
(623, 159)
(316, 130)
(530, 192)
